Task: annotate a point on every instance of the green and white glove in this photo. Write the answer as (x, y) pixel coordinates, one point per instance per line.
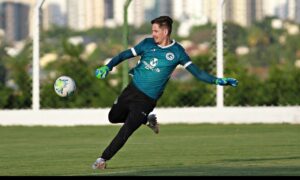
(102, 72)
(227, 82)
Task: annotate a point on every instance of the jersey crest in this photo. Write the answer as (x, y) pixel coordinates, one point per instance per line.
(170, 56)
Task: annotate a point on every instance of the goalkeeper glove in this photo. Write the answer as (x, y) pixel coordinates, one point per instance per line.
(226, 82)
(102, 72)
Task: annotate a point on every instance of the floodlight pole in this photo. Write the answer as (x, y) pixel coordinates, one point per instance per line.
(36, 56)
(220, 58)
(125, 43)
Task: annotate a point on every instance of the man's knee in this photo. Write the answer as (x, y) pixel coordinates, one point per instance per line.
(116, 117)
(111, 117)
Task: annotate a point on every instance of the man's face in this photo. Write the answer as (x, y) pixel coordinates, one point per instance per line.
(159, 34)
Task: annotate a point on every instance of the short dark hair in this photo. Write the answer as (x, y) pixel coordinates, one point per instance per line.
(164, 21)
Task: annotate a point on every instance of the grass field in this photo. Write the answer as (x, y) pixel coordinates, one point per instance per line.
(185, 150)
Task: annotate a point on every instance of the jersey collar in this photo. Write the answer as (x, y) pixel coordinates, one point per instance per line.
(164, 47)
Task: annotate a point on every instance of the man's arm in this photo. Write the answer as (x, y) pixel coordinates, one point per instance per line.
(103, 71)
(200, 74)
(204, 76)
(119, 58)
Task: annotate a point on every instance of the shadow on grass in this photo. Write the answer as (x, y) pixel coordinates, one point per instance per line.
(261, 159)
(202, 171)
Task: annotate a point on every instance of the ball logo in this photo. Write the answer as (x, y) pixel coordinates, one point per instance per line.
(170, 56)
(152, 65)
(154, 62)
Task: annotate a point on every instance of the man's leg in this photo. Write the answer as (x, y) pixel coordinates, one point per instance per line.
(133, 122)
(129, 126)
(118, 113)
(152, 123)
(137, 108)
(120, 109)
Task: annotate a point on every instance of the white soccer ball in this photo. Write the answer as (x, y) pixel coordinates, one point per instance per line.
(64, 86)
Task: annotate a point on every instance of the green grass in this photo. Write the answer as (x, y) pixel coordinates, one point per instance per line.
(186, 150)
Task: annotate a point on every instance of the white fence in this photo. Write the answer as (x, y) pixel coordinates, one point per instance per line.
(227, 115)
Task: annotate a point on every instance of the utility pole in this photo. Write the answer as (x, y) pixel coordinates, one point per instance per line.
(125, 44)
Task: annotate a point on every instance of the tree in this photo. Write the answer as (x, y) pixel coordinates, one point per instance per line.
(90, 92)
(19, 71)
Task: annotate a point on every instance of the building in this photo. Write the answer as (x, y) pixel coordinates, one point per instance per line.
(242, 12)
(15, 21)
(85, 14)
(294, 10)
(53, 15)
(297, 11)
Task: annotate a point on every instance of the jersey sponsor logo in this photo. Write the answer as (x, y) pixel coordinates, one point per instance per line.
(154, 62)
(152, 65)
(170, 56)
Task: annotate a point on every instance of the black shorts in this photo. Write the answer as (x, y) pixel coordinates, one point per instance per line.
(133, 104)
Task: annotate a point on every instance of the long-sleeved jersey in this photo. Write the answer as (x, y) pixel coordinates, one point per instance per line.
(156, 65)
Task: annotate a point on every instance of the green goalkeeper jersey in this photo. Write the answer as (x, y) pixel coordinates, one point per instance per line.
(156, 65)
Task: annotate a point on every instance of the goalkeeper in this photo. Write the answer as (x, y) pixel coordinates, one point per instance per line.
(159, 57)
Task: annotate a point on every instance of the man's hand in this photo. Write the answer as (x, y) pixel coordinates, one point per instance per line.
(102, 72)
(227, 82)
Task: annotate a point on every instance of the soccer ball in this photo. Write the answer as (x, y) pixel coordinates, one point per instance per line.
(64, 86)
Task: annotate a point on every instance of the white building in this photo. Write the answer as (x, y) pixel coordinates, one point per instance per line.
(294, 10)
(85, 14)
(189, 13)
(53, 14)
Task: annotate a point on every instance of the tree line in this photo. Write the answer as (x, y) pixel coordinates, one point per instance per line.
(267, 74)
